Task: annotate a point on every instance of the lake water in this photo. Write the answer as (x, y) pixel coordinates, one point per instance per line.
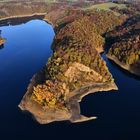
(25, 53)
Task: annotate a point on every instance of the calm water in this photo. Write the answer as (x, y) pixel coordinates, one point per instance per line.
(25, 53)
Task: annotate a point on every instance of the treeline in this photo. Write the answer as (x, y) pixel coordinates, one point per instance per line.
(80, 32)
(128, 50)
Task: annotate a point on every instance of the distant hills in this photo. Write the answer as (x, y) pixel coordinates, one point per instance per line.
(71, 0)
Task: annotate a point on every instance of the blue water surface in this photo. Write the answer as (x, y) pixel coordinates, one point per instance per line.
(25, 52)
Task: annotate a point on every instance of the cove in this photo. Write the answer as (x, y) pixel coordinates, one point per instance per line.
(25, 52)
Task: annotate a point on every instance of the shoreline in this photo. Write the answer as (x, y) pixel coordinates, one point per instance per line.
(22, 16)
(14, 20)
(130, 69)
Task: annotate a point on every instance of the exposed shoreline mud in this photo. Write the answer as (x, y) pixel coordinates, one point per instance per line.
(129, 68)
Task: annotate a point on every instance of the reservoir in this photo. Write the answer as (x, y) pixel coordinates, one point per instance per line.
(25, 52)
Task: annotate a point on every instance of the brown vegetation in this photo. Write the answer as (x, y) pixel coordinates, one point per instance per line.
(126, 46)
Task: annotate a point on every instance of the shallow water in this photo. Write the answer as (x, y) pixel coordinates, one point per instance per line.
(25, 53)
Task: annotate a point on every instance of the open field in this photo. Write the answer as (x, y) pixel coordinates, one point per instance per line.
(106, 6)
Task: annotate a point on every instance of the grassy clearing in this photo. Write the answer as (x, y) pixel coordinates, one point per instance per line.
(106, 6)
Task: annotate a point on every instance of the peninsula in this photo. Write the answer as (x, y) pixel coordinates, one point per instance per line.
(76, 67)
